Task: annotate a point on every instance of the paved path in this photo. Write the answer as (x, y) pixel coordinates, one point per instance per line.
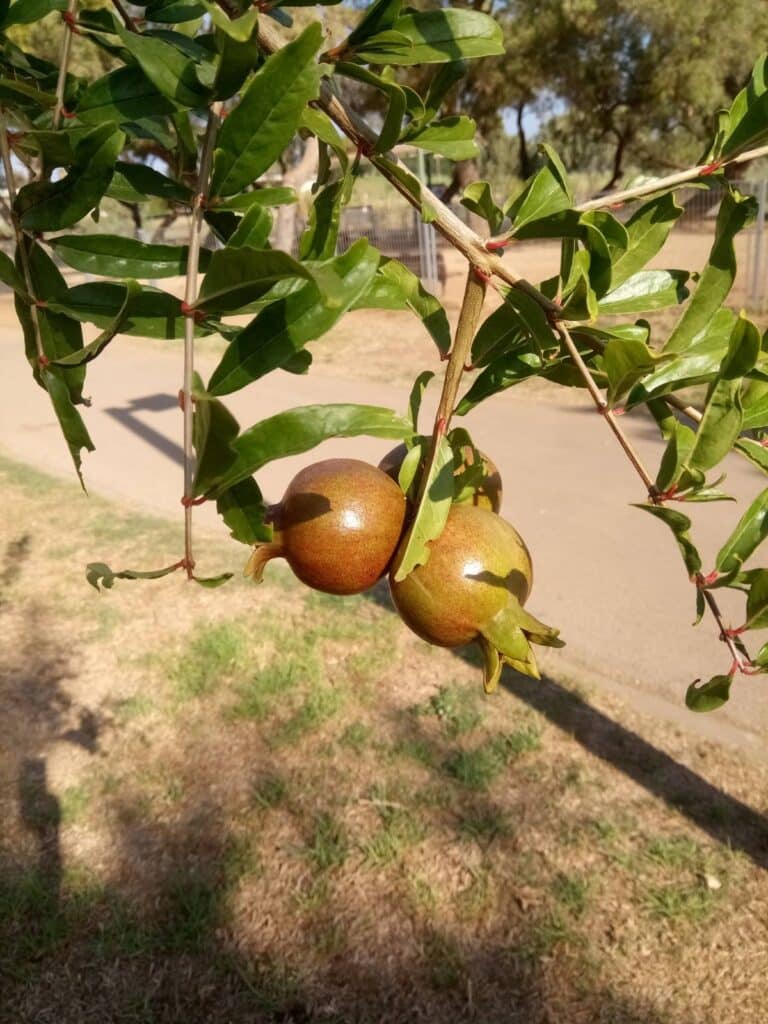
(608, 575)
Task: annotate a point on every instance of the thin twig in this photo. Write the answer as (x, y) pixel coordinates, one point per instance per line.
(669, 181)
(602, 407)
(124, 15)
(66, 46)
(21, 247)
(190, 296)
(725, 636)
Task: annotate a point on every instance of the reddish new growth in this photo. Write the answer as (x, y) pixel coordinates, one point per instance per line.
(496, 245)
(189, 502)
(197, 314)
(480, 274)
(69, 20)
(711, 168)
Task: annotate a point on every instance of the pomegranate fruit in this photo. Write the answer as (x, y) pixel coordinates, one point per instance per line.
(472, 589)
(337, 526)
(487, 492)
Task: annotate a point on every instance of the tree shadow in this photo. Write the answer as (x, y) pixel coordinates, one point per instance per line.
(724, 817)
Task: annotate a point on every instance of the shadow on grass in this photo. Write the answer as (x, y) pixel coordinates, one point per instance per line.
(724, 817)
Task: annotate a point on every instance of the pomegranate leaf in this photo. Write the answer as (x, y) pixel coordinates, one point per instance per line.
(70, 420)
(118, 256)
(710, 695)
(243, 510)
(432, 511)
(100, 576)
(750, 531)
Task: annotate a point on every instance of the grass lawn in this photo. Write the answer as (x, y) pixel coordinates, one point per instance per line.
(262, 804)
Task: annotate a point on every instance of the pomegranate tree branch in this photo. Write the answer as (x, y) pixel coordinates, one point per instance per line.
(725, 636)
(21, 248)
(459, 358)
(124, 15)
(669, 181)
(66, 46)
(190, 296)
(602, 407)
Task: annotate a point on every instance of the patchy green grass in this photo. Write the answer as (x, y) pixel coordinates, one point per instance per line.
(328, 845)
(212, 655)
(456, 707)
(478, 767)
(74, 802)
(269, 791)
(572, 892)
(680, 902)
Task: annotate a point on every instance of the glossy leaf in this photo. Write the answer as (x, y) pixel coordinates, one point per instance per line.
(757, 602)
(719, 428)
(122, 96)
(25, 12)
(135, 183)
(645, 291)
(452, 137)
(429, 37)
(167, 68)
(10, 276)
(416, 396)
(97, 346)
(240, 275)
(50, 206)
(24, 95)
(263, 123)
(238, 44)
(431, 514)
(379, 17)
(501, 332)
(754, 451)
(680, 526)
(121, 256)
(298, 430)
(709, 696)
(747, 119)
(502, 373)
(318, 242)
(284, 327)
(253, 230)
(214, 430)
(625, 362)
(393, 119)
(397, 287)
(717, 278)
(279, 195)
(478, 198)
(647, 230)
(243, 510)
(750, 532)
(545, 194)
(100, 576)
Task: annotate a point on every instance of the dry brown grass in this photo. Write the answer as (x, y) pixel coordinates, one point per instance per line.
(263, 805)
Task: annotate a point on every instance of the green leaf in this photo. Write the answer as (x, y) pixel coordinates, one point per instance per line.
(298, 430)
(264, 122)
(679, 525)
(379, 17)
(214, 429)
(743, 350)
(99, 575)
(710, 695)
(719, 428)
(503, 373)
(717, 278)
(280, 195)
(676, 455)
(318, 242)
(21, 94)
(750, 532)
(429, 37)
(699, 363)
(60, 336)
(417, 394)
(478, 198)
(10, 276)
(318, 122)
(211, 582)
(285, 326)
(253, 230)
(238, 44)
(25, 12)
(50, 206)
(136, 183)
(70, 421)
(95, 347)
(645, 291)
(501, 332)
(393, 119)
(757, 602)
(545, 194)
(397, 287)
(240, 29)
(240, 275)
(122, 96)
(647, 229)
(152, 313)
(754, 451)
(431, 514)
(122, 256)
(168, 69)
(452, 137)
(626, 361)
(747, 120)
(243, 510)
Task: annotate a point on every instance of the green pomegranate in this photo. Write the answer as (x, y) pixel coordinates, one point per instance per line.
(487, 495)
(337, 526)
(472, 589)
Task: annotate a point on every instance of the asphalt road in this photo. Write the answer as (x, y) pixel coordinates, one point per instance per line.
(607, 574)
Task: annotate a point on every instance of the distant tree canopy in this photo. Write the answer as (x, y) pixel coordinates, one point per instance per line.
(615, 82)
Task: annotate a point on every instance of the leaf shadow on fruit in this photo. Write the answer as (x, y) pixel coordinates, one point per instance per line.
(306, 506)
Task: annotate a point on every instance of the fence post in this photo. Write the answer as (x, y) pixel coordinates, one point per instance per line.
(757, 284)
